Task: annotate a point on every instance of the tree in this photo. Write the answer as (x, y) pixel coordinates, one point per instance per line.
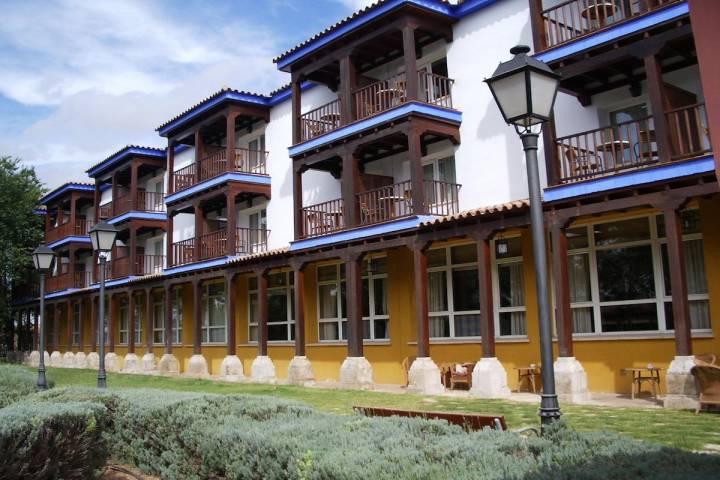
(21, 230)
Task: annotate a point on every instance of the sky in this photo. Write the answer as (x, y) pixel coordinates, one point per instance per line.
(80, 79)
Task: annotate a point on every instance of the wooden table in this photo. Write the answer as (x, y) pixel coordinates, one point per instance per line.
(528, 373)
(612, 148)
(597, 13)
(333, 120)
(391, 205)
(644, 374)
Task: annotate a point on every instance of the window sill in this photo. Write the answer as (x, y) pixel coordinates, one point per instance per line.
(637, 336)
(343, 343)
(271, 343)
(473, 341)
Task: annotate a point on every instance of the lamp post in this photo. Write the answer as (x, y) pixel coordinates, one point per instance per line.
(43, 258)
(524, 89)
(103, 237)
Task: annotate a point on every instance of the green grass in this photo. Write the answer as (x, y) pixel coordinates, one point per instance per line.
(682, 429)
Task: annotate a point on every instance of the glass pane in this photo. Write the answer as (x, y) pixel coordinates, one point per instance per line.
(437, 292)
(508, 247)
(276, 280)
(366, 298)
(217, 312)
(278, 332)
(217, 335)
(329, 331)
(327, 273)
(577, 237)
(446, 170)
(579, 278)
(699, 315)
(627, 318)
(583, 320)
(631, 230)
(343, 328)
(328, 301)
(467, 325)
(253, 334)
(625, 273)
(381, 329)
(366, 330)
(380, 296)
(254, 312)
(466, 290)
(464, 254)
(439, 326)
(277, 306)
(511, 285)
(512, 323)
(436, 257)
(378, 264)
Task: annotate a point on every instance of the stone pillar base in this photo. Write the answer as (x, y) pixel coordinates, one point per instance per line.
(681, 389)
(34, 359)
(80, 360)
(570, 380)
(46, 359)
(263, 370)
(197, 367)
(356, 372)
(148, 363)
(300, 371)
(168, 365)
(131, 364)
(424, 377)
(112, 362)
(68, 360)
(489, 379)
(93, 360)
(231, 368)
(55, 360)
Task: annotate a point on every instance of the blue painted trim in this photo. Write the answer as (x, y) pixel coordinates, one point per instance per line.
(361, 232)
(121, 155)
(39, 211)
(226, 177)
(66, 240)
(620, 30)
(628, 179)
(388, 116)
(137, 215)
(198, 265)
(69, 187)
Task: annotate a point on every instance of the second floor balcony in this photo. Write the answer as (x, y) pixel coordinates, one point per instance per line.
(215, 244)
(80, 228)
(123, 203)
(123, 265)
(215, 163)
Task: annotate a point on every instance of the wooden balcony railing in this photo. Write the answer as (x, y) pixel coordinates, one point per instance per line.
(150, 202)
(106, 210)
(81, 228)
(83, 279)
(572, 19)
(251, 161)
(385, 203)
(213, 244)
(215, 163)
(183, 252)
(183, 178)
(632, 144)
(441, 198)
(251, 240)
(56, 283)
(149, 264)
(323, 218)
(120, 267)
(376, 98)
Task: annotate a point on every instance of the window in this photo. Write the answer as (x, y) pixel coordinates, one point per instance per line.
(509, 286)
(76, 326)
(139, 321)
(331, 301)
(214, 319)
(257, 153)
(633, 136)
(453, 292)
(158, 318)
(177, 306)
(124, 321)
(281, 308)
(619, 276)
(441, 172)
(257, 223)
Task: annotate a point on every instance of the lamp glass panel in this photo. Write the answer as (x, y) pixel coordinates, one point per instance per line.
(511, 95)
(43, 261)
(542, 89)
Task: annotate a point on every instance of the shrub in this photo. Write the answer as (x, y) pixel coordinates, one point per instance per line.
(15, 382)
(40, 441)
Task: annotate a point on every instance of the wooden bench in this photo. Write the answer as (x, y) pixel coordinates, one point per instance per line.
(469, 421)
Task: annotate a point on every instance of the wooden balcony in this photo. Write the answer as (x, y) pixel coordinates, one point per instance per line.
(144, 202)
(80, 229)
(215, 163)
(215, 245)
(380, 205)
(149, 264)
(82, 279)
(374, 99)
(632, 145)
(56, 283)
(573, 19)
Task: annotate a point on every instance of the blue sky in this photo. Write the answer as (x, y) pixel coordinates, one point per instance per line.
(80, 79)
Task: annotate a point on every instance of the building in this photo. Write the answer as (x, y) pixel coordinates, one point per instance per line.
(371, 215)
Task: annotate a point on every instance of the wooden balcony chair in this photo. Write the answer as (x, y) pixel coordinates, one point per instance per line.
(406, 364)
(705, 359)
(461, 376)
(582, 163)
(707, 378)
(370, 213)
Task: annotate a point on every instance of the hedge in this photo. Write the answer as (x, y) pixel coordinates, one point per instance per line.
(54, 440)
(15, 383)
(194, 436)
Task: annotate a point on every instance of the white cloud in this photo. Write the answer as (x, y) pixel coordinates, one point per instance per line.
(356, 4)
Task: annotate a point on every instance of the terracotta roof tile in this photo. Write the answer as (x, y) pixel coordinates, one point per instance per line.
(159, 149)
(479, 212)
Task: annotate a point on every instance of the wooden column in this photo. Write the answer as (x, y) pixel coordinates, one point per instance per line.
(113, 194)
(149, 330)
(563, 312)
(131, 322)
(678, 284)
(262, 283)
(73, 211)
(299, 299)
(69, 326)
(350, 186)
(230, 140)
(657, 102)
(487, 309)
(56, 327)
(421, 299)
(537, 25)
(132, 268)
(198, 320)
(231, 302)
(198, 154)
(353, 299)
(348, 79)
(552, 164)
(112, 323)
(169, 253)
(231, 242)
(168, 319)
(93, 325)
(81, 340)
(416, 170)
(297, 202)
(296, 109)
(410, 56)
(134, 166)
(199, 228)
(170, 166)
(96, 201)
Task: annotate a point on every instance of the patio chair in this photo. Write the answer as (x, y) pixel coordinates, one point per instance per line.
(708, 381)
(705, 359)
(461, 375)
(582, 162)
(406, 364)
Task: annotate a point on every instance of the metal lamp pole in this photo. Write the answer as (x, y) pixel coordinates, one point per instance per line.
(42, 381)
(102, 376)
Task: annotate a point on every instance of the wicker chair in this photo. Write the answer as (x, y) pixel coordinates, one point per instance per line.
(705, 358)
(708, 382)
(406, 364)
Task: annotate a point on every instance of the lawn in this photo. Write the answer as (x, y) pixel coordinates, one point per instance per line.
(682, 429)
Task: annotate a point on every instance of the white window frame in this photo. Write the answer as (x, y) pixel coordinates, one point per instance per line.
(497, 309)
(206, 328)
(340, 320)
(158, 304)
(177, 305)
(370, 277)
(139, 320)
(450, 312)
(659, 299)
(123, 321)
(289, 322)
(76, 325)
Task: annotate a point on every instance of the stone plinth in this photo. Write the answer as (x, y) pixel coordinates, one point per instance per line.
(300, 371)
(356, 372)
(489, 379)
(424, 377)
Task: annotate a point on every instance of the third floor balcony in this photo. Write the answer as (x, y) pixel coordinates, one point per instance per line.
(215, 244)
(80, 228)
(214, 162)
(123, 202)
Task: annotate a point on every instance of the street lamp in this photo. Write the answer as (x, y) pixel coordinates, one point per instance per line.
(103, 237)
(525, 89)
(43, 258)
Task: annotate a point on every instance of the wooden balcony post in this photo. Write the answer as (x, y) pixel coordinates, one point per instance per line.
(552, 163)
(131, 322)
(416, 170)
(678, 284)
(262, 282)
(231, 241)
(199, 229)
(299, 299)
(73, 211)
(231, 303)
(198, 320)
(132, 261)
(69, 325)
(410, 56)
(419, 251)
(113, 194)
(93, 324)
(230, 140)
(71, 266)
(483, 239)
(563, 312)
(96, 201)
(81, 334)
(348, 79)
(296, 108)
(168, 319)
(537, 24)
(112, 323)
(656, 92)
(170, 166)
(198, 155)
(353, 298)
(169, 253)
(149, 324)
(134, 203)
(297, 201)
(350, 186)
